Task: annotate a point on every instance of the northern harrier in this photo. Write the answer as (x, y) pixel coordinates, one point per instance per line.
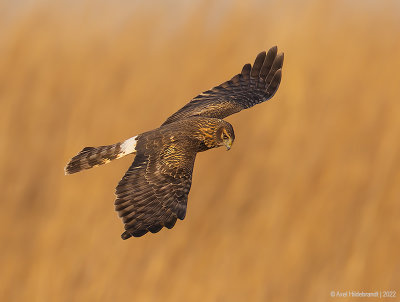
(154, 191)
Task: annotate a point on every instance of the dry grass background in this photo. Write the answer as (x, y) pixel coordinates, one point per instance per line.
(307, 200)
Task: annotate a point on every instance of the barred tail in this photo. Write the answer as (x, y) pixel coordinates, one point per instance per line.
(91, 157)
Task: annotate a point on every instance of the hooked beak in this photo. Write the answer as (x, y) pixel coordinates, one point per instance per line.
(228, 144)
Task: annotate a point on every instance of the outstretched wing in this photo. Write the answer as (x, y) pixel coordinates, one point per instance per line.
(252, 86)
(154, 191)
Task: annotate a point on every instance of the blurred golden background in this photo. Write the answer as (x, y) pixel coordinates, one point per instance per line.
(306, 201)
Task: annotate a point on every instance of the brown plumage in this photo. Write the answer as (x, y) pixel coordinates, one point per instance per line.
(154, 191)
(91, 157)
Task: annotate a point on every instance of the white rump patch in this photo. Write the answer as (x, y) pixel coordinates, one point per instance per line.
(128, 147)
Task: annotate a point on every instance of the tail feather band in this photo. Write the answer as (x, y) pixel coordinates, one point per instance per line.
(91, 157)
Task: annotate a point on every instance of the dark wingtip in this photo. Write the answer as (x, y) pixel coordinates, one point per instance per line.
(279, 59)
(170, 224)
(138, 233)
(273, 49)
(246, 71)
(275, 82)
(258, 63)
(155, 228)
(71, 168)
(262, 54)
(271, 54)
(277, 76)
(125, 235)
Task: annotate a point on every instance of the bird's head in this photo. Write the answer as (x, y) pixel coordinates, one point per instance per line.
(225, 136)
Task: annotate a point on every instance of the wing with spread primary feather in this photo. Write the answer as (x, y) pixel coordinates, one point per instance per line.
(254, 85)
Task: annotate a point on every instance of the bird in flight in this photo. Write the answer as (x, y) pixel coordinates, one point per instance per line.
(154, 191)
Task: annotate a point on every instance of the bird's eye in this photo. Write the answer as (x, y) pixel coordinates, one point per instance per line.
(225, 136)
